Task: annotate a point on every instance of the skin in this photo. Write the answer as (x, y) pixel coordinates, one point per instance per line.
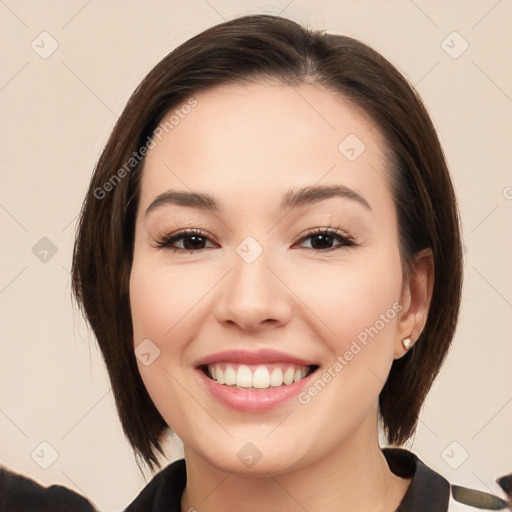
(247, 145)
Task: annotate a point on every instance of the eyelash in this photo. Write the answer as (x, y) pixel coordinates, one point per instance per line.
(165, 240)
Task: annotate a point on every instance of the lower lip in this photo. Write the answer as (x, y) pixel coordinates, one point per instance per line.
(250, 400)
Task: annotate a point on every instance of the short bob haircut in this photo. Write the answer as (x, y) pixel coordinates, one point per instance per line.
(251, 49)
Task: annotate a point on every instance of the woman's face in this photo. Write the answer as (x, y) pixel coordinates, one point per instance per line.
(255, 295)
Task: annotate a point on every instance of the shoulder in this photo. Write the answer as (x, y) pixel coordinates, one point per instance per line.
(431, 491)
(19, 493)
(163, 492)
(428, 491)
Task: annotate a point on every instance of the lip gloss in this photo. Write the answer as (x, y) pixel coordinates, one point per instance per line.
(250, 399)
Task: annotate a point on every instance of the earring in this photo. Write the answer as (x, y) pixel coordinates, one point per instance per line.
(407, 343)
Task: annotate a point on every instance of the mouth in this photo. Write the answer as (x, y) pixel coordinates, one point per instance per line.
(256, 377)
(254, 381)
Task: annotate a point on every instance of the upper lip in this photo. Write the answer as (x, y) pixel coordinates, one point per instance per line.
(261, 356)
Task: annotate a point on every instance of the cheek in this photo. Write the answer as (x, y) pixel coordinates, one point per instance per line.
(358, 306)
(168, 306)
(356, 301)
(159, 304)
(160, 301)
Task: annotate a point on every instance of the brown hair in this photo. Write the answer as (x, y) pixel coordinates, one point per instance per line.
(253, 48)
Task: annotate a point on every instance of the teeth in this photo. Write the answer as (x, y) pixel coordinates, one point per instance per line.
(288, 375)
(259, 377)
(243, 376)
(230, 376)
(276, 377)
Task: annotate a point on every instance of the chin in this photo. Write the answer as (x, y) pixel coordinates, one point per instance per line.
(258, 458)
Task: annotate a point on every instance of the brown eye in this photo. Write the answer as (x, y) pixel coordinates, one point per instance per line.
(191, 240)
(322, 239)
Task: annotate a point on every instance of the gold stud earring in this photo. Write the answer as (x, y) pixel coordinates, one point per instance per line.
(407, 343)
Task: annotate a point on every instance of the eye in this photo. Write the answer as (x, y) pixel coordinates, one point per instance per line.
(191, 240)
(322, 239)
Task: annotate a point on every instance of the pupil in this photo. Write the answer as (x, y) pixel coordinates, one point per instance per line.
(321, 237)
(194, 245)
(195, 242)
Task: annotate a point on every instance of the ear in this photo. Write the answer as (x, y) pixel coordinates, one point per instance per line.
(415, 300)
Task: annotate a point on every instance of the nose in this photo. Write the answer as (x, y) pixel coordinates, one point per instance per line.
(254, 296)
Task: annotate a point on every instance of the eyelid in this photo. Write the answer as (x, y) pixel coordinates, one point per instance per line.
(348, 240)
(330, 230)
(165, 239)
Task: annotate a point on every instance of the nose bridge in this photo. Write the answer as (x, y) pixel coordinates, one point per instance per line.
(252, 294)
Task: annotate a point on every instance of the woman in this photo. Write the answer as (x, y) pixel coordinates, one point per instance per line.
(270, 258)
(269, 255)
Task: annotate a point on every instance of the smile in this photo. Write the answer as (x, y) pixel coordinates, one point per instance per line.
(256, 377)
(254, 381)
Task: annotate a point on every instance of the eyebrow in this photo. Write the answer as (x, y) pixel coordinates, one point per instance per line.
(293, 198)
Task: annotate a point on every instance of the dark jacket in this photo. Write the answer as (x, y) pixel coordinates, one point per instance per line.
(428, 491)
(21, 494)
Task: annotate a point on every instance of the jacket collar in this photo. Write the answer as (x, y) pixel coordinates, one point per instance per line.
(427, 492)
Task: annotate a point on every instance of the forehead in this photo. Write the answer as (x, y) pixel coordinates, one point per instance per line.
(261, 137)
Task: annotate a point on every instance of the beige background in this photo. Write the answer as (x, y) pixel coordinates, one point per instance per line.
(56, 115)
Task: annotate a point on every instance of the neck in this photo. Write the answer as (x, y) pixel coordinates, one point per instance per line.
(353, 477)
